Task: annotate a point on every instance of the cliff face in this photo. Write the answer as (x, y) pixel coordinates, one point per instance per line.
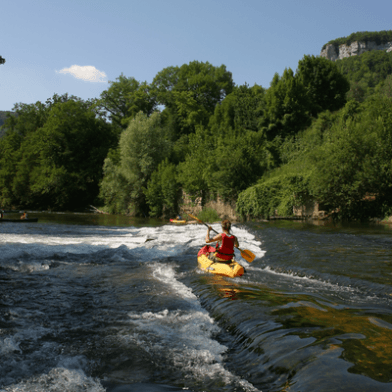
(333, 52)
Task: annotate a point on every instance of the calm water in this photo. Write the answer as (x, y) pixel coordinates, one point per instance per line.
(102, 303)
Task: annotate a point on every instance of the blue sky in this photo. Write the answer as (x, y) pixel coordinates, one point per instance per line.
(77, 46)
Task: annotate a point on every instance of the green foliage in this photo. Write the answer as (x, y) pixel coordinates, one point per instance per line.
(240, 110)
(357, 153)
(386, 88)
(143, 145)
(232, 154)
(269, 150)
(2, 60)
(379, 37)
(294, 99)
(163, 190)
(52, 154)
(191, 92)
(297, 148)
(208, 215)
(238, 160)
(125, 98)
(366, 73)
(3, 116)
(286, 109)
(114, 189)
(221, 164)
(343, 161)
(325, 86)
(273, 196)
(193, 172)
(9, 156)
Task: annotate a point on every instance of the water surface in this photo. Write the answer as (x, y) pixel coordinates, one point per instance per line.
(106, 303)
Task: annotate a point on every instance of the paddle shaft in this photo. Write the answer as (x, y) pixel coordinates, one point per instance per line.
(205, 224)
(246, 254)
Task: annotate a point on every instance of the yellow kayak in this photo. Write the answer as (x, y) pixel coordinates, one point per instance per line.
(177, 220)
(231, 270)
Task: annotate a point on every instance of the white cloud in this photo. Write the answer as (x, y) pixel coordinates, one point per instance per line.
(86, 72)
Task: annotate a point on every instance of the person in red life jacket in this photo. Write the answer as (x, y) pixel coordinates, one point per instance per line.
(225, 249)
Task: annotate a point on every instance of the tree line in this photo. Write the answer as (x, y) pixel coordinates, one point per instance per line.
(140, 145)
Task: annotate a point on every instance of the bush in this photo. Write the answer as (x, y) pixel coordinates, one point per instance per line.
(273, 196)
(208, 215)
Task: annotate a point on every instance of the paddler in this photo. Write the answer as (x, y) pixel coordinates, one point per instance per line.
(24, 216)
(225, 252)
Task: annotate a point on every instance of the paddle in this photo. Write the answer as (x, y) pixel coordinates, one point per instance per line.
(246, 254)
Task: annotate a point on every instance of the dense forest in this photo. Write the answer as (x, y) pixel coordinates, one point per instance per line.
(321, 133)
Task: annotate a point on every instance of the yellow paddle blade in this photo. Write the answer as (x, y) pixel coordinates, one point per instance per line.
(247, 255)
(195, 218)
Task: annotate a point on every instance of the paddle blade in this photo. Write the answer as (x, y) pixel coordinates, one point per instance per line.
(247, 255)
(193, 217)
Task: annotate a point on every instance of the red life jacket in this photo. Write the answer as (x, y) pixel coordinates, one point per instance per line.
(226, 251)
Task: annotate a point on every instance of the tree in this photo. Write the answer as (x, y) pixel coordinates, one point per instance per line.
(286, 107)
(386, 88)
(125, 98)
(237, 161)
(325, 86)
(9, 156)
(357, 153)
(2, 61)
(240, 110)
(191, 92)
(142, 147)
(163, 190)
(54, 153)
(293, 100)
(194, 170)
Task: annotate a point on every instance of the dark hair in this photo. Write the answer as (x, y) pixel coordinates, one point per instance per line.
(226, 225)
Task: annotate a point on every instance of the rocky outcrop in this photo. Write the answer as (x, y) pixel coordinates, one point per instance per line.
(224, 210)
(356, 48)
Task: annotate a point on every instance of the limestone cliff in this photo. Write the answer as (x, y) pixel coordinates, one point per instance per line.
(335, 52)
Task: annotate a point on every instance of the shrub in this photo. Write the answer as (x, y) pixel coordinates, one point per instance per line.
(208, 215)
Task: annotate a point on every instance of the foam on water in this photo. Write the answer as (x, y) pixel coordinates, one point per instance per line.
(166, 274)
(58, 379)
(186, 339)
(9, 345)
(166, 241)
(185, 342)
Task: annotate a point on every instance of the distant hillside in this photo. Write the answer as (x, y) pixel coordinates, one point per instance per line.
(367, 73)
(356, 44)
(379, 37)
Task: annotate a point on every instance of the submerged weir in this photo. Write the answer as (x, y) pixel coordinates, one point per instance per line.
(95, 305)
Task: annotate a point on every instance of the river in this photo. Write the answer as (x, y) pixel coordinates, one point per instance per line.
(106, 303)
